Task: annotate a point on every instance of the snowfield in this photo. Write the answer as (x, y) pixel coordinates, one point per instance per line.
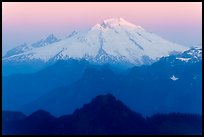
(114, 40)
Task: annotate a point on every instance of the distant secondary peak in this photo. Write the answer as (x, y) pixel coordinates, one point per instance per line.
(51, 38)
(40, 114)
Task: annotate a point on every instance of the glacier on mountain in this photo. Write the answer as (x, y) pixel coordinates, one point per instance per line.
(114, 41)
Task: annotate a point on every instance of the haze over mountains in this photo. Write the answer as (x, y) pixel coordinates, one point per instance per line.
(148, 73)
(115, 41)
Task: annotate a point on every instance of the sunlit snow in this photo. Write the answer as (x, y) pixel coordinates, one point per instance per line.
(174, 78)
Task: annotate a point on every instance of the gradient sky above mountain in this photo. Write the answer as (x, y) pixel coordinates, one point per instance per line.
(29, 22)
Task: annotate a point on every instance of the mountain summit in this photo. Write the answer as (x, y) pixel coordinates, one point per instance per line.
(104, 115)
(116, 22)
(113, 41)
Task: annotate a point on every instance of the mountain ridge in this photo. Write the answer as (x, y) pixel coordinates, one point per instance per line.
(103, 79)
(119, 40)
(103, 115)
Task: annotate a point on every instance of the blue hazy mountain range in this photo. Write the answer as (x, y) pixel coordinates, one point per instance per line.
(102, 115)
(119, 67)
(172, 84)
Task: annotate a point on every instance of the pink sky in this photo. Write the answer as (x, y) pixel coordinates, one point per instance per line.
(29, 22)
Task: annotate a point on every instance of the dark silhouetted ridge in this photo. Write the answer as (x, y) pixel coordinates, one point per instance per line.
(103, 115)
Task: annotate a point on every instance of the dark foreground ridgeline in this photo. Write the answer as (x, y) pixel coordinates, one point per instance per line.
(103, 115)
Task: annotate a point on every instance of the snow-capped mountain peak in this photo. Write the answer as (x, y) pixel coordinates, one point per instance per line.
(113, 41)
(117, 22)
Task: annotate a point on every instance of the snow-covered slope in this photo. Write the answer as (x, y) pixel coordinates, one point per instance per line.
(193, 55)
(27, 47)
(115, 41)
